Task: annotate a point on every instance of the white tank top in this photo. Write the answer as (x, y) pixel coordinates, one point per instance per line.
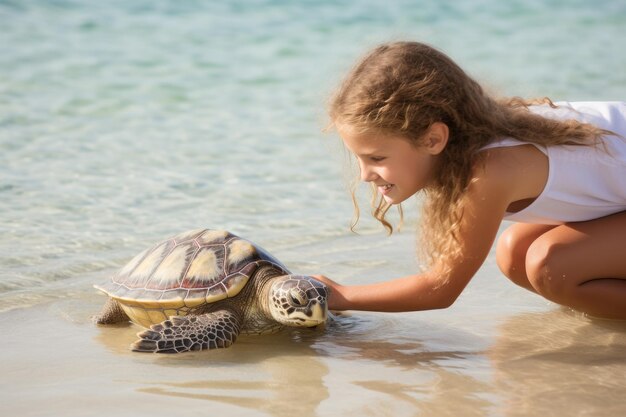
(584, 182)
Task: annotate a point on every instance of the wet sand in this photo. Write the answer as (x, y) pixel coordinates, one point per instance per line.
(541, 360)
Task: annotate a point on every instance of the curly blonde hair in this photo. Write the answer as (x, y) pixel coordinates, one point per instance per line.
(402, 88)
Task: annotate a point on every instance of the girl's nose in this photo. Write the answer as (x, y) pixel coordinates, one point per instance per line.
(367, 174)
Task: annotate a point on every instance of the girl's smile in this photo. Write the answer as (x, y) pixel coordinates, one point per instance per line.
(384, 189)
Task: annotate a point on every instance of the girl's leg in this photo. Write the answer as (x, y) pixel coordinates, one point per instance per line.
(512, 248)
(582, 265)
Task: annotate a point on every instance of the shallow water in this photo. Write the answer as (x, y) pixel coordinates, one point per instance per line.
(530, 363)
(122, 123)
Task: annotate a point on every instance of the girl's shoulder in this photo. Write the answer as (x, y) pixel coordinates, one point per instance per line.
(516, 169)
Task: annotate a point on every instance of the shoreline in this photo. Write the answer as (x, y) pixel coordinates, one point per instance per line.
(65, 365)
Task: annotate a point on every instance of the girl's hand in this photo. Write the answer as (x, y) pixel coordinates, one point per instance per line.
(334, 300)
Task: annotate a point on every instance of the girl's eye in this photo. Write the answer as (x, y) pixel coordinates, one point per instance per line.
(377, 158)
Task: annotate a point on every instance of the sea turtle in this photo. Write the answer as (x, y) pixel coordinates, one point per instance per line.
(202, 288)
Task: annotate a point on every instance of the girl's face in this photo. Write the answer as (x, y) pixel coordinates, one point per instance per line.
(398, 168)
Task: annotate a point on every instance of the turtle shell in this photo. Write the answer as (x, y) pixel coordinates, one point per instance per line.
(186, 271)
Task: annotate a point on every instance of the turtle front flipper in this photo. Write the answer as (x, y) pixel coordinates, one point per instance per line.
(111, 313)
(218, 329)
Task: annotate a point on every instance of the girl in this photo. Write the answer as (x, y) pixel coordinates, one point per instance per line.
(416, 122)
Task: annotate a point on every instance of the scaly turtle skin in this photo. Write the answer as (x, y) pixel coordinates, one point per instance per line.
(202, 288)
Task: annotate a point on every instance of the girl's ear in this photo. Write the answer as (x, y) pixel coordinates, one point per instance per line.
(437, 137)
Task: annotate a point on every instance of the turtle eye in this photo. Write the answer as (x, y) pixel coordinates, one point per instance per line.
(297, 298)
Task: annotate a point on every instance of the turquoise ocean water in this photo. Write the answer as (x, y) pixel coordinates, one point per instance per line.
(124, 122)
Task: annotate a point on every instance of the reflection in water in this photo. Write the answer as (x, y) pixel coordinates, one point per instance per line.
(551, 363)
(559, 363)
(280, 386)
(271, 374)
(296, 370)
(408, 377)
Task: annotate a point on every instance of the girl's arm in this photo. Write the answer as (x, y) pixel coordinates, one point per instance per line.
(486, 201)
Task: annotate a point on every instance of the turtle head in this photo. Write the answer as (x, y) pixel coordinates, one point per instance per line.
(298, 301)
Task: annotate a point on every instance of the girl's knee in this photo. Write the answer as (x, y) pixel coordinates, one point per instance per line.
(545, 269)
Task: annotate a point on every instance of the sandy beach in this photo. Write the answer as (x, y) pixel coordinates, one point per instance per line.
(546, 362)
